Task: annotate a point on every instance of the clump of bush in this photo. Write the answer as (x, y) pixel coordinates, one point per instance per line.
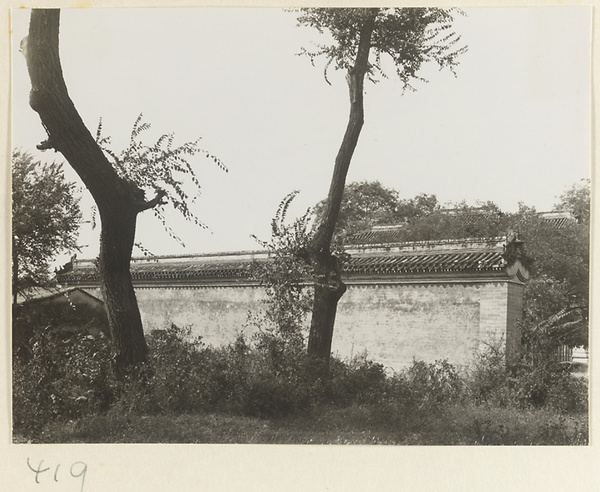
(67, 377)
(63, 377)
(525, 385)
(270, 376)
(551, 385)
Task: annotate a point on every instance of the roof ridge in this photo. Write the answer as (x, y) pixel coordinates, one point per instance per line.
(397, 262)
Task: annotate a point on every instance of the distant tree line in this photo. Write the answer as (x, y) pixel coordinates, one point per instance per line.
(556, 251)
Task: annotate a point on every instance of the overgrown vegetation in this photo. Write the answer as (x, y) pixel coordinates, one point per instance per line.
(268, 390)
(286, 276)
(45, 220)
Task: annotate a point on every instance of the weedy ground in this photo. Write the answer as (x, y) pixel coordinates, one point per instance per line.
(268, 391)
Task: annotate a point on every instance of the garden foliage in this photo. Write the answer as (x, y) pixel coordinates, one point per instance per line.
(45, 220)
(69, 378)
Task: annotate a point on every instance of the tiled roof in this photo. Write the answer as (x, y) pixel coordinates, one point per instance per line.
(38, 294)
(411, 258)
(378, 235)
(159, 270)
(392, 234)
(557, 220)
(428, 262)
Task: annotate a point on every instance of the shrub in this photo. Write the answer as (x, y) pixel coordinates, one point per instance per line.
(423, 391)
(433, 384)
(175, 359)
(283, 380)
(183, 375)
(526, 385)
(549, 385)
(569, 394)
(487, 380)
(396, 404)
(65, 377)
(270, 396)
(223, 377)
(136, 393)
(358, 380)
(267, 378)
(70, 377)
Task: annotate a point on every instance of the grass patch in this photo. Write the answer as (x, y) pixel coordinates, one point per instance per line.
(462, 425)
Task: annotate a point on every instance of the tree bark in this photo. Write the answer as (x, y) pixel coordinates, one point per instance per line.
(116, 243)
(118, 200)
(328, 286)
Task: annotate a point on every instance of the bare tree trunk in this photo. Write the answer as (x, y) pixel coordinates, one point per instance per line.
(118, 200)
(116, 243)
(329, 287)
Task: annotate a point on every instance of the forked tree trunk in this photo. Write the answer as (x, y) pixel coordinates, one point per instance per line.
(328, 286)
(118, 200)
(328, 289)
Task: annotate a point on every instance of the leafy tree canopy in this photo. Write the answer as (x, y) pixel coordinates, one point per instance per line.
(556, 304)
(368, 203)
(576, 201)
(419, 206)
(410, 37)
(46, 219)
(458, 221)
(364, 204)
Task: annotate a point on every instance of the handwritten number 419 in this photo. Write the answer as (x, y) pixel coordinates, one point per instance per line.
(78, 469)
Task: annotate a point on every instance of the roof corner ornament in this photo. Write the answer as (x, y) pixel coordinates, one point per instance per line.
(516, 260)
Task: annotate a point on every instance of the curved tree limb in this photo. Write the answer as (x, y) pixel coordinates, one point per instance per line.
(118, 200)
(49, 97)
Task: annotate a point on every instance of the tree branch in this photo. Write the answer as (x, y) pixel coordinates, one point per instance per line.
(157, 200)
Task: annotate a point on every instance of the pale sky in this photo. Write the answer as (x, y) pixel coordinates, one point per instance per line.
(514, 125)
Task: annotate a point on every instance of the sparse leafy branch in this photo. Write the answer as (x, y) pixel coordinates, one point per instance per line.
(161, 169)
(287, 275)
(145, 251)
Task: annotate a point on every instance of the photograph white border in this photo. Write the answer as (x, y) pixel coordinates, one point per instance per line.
(158, 467)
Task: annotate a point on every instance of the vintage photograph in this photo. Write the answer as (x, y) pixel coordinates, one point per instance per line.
(365, 226)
